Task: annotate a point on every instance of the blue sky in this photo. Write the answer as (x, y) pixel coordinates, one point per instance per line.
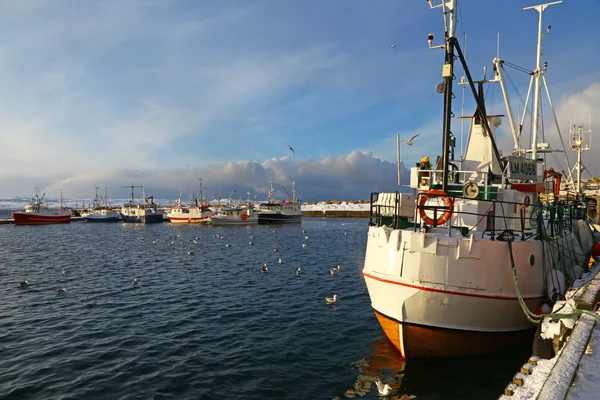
(163, 92)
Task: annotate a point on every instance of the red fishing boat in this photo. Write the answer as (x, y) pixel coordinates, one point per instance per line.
(37, 213)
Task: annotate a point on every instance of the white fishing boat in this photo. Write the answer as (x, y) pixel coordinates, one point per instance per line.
(242, 214)
(197, 212)
(235, 216)
(462, 266)
(274, 211)
(99, 212)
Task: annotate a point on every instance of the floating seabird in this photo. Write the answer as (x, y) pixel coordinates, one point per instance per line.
(251, 237)
(298, 271)
(134, 281)
(250, 243)
(155, 241)
(384, 390)
(264, 268)
(228, 245)
(280, 261)
(61, 291)
(335, 270)
(275, 249)
(305, 237)
(345, 233)
(190, 253)
(331, 300)
(304, 245)
(24, 283)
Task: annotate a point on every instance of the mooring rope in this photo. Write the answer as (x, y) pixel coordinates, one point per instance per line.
(537, 318)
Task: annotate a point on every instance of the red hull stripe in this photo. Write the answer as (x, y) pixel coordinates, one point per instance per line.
(429, 289)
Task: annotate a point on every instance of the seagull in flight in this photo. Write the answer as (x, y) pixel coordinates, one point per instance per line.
(292, 149)
(409, 142)
(392, 46)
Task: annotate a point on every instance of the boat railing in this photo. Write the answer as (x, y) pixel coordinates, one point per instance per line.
(493, 220)
(424, 179)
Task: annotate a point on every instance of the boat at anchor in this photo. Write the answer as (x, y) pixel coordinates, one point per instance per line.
(274, 211)
(146, 213)
(463, 265)
(197, 212)
(99, 212)
(38, 213)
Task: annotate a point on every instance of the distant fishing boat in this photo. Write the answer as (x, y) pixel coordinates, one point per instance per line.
(195, 213)
(37, 213)
(101, 212)
(147, 213)
(275, 211)
(236, 215)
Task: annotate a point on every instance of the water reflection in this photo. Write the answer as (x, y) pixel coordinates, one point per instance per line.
(383, 363)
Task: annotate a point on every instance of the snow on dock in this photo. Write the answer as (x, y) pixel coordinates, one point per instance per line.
(574, 372)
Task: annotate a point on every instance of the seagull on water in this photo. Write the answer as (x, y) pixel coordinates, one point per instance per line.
(292, 149)
(250, 243)
(275, 249)
(335, 270)
(264, 268)
(303, 244)
(280, 261)
(384, 390)
(61, 291)
(298, 271)
(134, 281)
(24, 283)
(331, 300)
(228, 245)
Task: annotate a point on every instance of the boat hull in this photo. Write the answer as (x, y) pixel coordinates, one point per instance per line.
(231, 221)
(109, 216)
(143, 219)
(189, 220)
(436, 295)
(102, 219)
(268, 218)
(33, 218)
(425, 341)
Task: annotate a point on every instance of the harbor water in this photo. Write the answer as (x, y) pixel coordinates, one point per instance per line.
(203, 322)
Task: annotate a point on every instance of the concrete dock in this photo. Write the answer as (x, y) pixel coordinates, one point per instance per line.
(574, 371)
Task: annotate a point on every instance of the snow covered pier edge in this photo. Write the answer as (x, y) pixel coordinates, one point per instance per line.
(566, 359)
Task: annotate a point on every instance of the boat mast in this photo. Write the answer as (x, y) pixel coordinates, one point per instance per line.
(576, 133)
(96, 202)
(131, 191)
(448, 7)
(271, 191)
(294, 195)
(201, 202)
(537, 75)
